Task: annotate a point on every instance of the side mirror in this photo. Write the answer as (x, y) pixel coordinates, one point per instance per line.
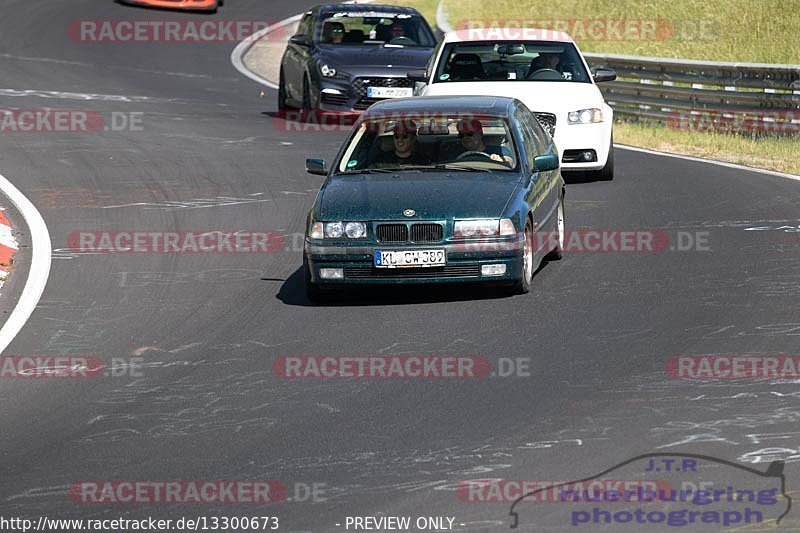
(316, 166)
(543, 163)
(604, 74)
(418, 75)
(300, 40)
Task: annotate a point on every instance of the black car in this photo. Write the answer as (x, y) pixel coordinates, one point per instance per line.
(346, 57)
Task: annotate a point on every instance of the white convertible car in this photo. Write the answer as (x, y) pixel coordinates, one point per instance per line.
(546, 71)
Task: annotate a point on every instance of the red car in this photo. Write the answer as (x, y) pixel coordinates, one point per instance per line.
(189, 5)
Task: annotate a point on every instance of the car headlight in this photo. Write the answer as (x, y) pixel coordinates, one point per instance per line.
(329, 71)
(334, 230)
(585, 116)
(337, 230)
(355, 230)
(483, 228)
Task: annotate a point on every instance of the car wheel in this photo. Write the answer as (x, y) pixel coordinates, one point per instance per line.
(607, 172)
(523, 286)
(558, 252)
(313, 293)
(282, 92)
(220, 2)
(306, 108)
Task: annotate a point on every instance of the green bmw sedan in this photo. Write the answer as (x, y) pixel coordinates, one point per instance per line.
(436, 190)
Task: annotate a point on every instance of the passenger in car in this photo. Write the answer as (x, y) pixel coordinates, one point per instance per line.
(471, 134)
(406, 151)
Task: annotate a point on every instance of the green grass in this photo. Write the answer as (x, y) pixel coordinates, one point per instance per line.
(762, 31)
(771, 153)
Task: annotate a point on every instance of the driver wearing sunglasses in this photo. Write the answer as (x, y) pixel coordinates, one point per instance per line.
(334, 32)
(406, 151)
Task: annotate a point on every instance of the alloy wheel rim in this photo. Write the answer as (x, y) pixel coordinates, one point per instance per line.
(527, 256)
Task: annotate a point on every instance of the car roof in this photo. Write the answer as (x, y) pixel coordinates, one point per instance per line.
(495, 106)
(366, 8)
(506, 34)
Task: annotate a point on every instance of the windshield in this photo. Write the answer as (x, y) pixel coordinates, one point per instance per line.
(424, 142)
(359, 27)
(511, 61)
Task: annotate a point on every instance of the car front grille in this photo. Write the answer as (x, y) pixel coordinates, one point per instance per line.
(427, 232)
(399, 233)
(548, 122)
(392, 233)
(360, 88)
(447, 271)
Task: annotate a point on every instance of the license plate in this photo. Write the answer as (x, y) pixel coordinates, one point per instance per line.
(409, 258)
(390, 92)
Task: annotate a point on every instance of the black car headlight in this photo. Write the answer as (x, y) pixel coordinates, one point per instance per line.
(329, 71)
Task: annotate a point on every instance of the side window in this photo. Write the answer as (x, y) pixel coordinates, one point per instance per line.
(306, 25)
(528, 138)
(538, 134)
(431, 62)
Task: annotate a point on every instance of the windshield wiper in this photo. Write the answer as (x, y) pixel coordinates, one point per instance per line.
(451, 166)
(419, 168)
(368, 171)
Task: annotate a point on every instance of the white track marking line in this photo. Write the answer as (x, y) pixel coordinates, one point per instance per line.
(40, 263)
(709, 161)
(237, 56)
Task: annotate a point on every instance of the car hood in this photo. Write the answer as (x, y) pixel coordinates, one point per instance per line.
(375, 55)
(539, 96)
(433, 196)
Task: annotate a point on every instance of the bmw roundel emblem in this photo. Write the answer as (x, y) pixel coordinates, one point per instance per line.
(409, 212)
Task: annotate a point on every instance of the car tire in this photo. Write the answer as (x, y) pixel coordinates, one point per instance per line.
(523, 285)
(282, 101)
(607, 172)
(220, 2)
(558, 252)
(306, 108)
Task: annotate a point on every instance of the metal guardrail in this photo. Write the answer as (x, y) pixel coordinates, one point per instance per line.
(740, 97)
(749, 96)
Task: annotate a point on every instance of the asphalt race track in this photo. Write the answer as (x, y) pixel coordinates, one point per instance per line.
(598, 328)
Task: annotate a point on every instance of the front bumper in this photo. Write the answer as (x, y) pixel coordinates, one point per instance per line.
(583, 137)
(351, 95)
(464, 261)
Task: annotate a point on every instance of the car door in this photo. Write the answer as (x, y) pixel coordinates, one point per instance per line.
(541, 193)
(296, 59)
(545, 145)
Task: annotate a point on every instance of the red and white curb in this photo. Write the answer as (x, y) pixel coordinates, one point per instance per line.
(39, 271)
(8, 247)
